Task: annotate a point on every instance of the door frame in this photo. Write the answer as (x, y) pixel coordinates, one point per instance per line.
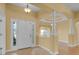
(16, 20)
(3, 17)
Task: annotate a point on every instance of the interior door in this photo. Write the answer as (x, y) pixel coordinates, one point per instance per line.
(25, 34)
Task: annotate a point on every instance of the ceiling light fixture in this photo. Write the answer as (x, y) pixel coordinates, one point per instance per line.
(27, 10)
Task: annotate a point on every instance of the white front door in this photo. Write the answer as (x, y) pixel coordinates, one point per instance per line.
(25, 34)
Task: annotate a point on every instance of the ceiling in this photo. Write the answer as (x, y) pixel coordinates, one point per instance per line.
(24, 5)
(73, 6)
(37, 9)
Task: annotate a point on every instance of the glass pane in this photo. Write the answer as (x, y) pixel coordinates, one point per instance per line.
(14, 33)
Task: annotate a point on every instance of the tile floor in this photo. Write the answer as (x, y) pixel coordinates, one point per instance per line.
(63, 50)
(29, 51)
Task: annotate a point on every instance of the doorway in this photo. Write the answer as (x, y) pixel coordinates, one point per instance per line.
(22, 34)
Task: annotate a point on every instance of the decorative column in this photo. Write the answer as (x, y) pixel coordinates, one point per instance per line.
(72, 33)
(54, 34)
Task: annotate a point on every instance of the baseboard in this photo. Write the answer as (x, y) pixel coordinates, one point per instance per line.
(64, 41)
(11, 50)
(73, 45)
(16, 49)
(69, 45)
(51, 53)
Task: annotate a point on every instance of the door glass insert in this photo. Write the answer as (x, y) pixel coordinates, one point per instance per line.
(14, 33)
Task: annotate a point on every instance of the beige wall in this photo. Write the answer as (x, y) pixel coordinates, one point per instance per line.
(76, 20)
(63, 30)
(2, 6)
(77, 32)
(76, 16)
